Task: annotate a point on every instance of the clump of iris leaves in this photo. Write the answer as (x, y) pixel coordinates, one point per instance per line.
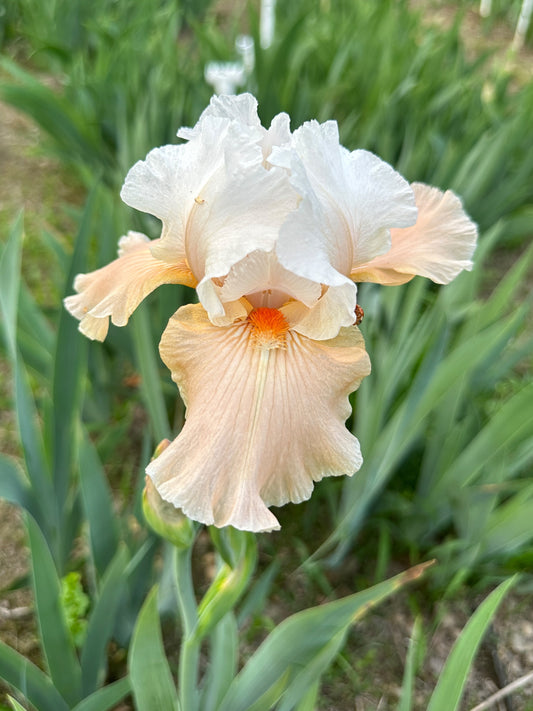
(445, 419)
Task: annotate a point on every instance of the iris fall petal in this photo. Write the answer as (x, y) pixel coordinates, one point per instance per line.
(115, 291)
(265, 418)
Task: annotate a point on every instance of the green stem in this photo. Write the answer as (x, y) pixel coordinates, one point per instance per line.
(188, 675)
(190, 648)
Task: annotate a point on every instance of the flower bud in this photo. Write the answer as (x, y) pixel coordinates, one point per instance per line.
(163, 518)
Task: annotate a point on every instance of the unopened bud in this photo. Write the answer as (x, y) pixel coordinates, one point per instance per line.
(163, 518)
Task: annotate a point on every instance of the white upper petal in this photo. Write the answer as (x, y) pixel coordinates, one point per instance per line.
(356, 196)
(264, 282)
(241, 109)
(243, 215)
(334, 310)
(215, 195)
(171, 180)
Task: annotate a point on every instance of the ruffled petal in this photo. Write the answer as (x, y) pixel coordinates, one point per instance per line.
(215, 197)
(117, 289)
(438, 246)
(241, 108)
(334, 310)
(170, 183)
(242, 216)
(278, 134)
(359, 199)
(264, 282)
(264, 419)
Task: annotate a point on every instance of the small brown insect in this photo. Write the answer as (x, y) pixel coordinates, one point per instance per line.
(359, 315)
(132, 381)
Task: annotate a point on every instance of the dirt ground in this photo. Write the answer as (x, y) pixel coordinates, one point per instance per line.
(369, 678)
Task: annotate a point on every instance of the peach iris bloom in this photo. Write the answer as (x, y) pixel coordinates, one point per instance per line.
(272, 228)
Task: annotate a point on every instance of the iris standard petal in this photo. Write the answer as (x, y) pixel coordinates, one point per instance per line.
(243, 215)
(438, 246)
(265, 415)
(216, 199)
(358, 197)
(261, 278)
(334, 310)
(115, 291)
(169, 183)
(242, 109)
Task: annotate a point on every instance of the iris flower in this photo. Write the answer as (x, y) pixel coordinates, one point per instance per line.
(272, 228)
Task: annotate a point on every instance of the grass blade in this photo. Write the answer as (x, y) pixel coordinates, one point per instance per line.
(223, 662)
(101, 623)
(56, 642)
(450, 687)
(69, 368)
(15, 704)
(10, 280)
(150, 380)
(38, 688)
(151, 680)
(98, 506)
(35, 456)
(406, 698)
(14, 488)
(305, 639)
(107, 698)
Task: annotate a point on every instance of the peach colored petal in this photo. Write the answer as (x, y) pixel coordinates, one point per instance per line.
(438, 246)
(117, 289)
(265, 416)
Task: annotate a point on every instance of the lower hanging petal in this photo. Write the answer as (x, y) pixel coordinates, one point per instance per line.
(117, 289)
(438, 246)
(265, 415)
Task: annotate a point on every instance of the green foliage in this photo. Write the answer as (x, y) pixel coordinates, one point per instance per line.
(108, 111)
(15, 704)
(50, 493)
(24, 676)
(447, 694)
(98, 506)
(231, 580)
(450, 686)
(56, 641)
(299, 650)
(424, 407)
(151, 680)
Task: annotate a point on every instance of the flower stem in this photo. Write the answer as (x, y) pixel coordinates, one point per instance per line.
(188, 675)
(190, 648)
